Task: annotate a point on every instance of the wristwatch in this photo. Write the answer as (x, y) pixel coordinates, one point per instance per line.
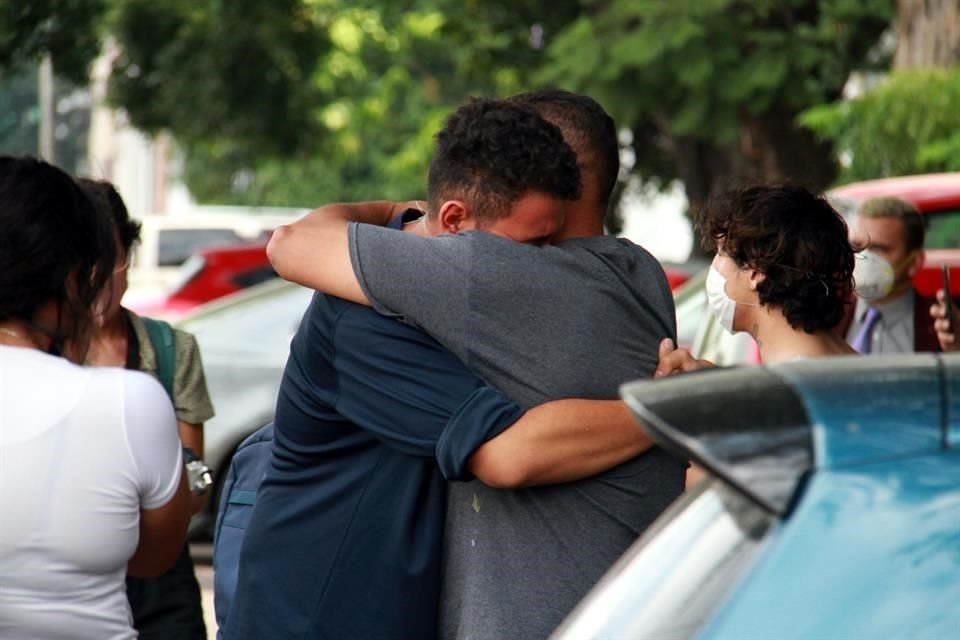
(199, 477)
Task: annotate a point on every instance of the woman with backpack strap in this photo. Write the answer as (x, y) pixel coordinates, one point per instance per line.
(168, 606)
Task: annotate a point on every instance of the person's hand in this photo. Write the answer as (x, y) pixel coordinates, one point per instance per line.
(673, 360)
(420, 205)
(938, 311)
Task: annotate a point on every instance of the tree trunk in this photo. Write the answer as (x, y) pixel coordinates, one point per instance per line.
(770, 148)
(928, 34)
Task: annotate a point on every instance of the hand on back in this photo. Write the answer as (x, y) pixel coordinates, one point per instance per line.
(673, 360)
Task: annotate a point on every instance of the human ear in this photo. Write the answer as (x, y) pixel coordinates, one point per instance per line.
(916, 262)
(454, 216)
(756, 277)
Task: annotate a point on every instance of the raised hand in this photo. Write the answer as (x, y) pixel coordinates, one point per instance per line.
(946, 328)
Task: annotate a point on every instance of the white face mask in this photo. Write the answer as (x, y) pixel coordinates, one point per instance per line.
(873, 276)
(722, 305)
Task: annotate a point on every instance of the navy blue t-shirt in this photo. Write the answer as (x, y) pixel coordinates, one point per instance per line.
(345, 538)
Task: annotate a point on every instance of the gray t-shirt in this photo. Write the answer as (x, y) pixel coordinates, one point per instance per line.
(575, 319)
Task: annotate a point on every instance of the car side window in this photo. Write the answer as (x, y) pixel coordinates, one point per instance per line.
(254, 276)
(176, 245)
(944, 229)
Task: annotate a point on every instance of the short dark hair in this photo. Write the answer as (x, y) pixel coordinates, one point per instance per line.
(105, 195)
(914, 223)
(796, 239)
(51, 233)
(490, 152)
(587, 128)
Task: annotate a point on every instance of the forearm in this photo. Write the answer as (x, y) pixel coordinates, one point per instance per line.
(560, 441)
(314, 250)
(191, 435)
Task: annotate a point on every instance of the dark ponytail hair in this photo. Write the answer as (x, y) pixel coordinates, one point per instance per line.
(55, 245)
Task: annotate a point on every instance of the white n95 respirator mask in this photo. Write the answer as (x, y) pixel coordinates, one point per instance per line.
(722, 305)
(872, 275)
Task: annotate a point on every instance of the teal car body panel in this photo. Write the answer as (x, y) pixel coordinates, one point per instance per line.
(870, 552)
(863, 410)
(865, 546)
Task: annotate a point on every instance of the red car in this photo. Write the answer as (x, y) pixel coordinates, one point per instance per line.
(937, 196)
(210, 274)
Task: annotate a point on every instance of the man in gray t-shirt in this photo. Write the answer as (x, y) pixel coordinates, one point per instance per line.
(538, 323)
(572, 320)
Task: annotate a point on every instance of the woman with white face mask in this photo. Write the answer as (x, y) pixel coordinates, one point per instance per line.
(783, 272)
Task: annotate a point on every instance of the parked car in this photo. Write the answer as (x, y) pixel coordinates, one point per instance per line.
(244, 340)
(822, 517)
(937, 196)
(168, 241)
(207, 275)
(679, 273)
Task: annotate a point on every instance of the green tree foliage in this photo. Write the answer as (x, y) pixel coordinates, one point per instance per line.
(908, 124)
(711, 88)
(390, 74)
(20, 118)
(210, 70)
(367, 104)
(67, 30)
(303, 101)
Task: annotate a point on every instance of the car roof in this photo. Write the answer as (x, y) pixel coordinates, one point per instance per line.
(734, 422)
(930, 192)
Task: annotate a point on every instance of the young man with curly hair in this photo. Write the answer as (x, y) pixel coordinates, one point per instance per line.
(783, 272)
(373, 416)
(574, 318)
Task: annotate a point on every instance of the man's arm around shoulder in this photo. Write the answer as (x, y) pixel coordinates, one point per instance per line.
(314, 251)
(560, 441)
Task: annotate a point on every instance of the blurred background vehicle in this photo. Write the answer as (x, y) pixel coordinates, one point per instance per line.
(168, 241)
(822, 518)
(245, 340)
(679, 273)
(207, 275)
(937, 196)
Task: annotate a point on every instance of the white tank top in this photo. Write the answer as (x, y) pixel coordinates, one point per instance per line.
(82, 450)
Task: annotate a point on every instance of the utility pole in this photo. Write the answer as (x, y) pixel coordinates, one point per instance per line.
(45, 143)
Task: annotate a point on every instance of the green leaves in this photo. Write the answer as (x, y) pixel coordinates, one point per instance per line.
(302, 101)
(909, 123)
(67, 30)
(210, 70)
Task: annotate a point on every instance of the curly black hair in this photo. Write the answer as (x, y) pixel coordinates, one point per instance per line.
(796, 239)
(55, 244)
(490, 152)
(105, 195)
(587, 128)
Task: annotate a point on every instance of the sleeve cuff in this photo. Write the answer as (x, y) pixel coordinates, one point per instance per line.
(484, 415)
